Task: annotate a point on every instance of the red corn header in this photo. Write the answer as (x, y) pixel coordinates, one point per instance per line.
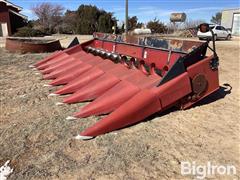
(130, 78)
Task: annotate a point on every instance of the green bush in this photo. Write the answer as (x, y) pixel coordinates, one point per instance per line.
(156, 26)
(28, 32)
(90, 19)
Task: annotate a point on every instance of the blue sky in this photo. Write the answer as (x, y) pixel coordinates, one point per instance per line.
(144, 9)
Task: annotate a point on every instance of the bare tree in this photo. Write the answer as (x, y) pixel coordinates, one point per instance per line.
(69, 24)
(49, 15)
(189, 23)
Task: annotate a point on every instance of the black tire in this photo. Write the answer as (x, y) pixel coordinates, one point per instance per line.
(228, 37)
(200, 38)
(215, 37)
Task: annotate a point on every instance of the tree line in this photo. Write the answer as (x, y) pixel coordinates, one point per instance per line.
(87, 19)
(51, 18)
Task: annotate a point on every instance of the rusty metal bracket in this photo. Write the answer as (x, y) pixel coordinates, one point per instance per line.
(214, 63)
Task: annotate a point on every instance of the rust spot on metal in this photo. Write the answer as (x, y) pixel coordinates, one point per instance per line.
(29, 45)
(199, 84)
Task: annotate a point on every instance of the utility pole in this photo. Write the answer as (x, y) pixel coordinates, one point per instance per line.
(126, 16)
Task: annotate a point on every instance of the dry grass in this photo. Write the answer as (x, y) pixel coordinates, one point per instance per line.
(37, 139)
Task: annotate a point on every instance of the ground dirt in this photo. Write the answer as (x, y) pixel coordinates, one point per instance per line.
(38, 140)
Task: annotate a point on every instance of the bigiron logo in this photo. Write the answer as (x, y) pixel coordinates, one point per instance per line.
(205, 170)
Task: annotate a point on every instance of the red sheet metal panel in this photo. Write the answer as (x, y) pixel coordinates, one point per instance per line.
(98, 43)
(160, 58)
(128, 50)
(140, 106)
(108, 46)
(172, 91)
(212, 78)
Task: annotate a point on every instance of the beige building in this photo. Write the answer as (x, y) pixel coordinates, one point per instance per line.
(231, 20)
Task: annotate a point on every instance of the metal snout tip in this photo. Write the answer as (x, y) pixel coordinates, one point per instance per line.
(59, 103)
(52, 94)
(79, 137)
(31, 66)
(71, 118)
(47, 85)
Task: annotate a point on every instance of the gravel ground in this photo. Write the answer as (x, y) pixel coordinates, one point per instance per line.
(38, 140)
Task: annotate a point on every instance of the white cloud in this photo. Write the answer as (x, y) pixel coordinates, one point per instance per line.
(116, 9)
(201, 9)
(152, 11)
(29, 13)
(145, 13)
(163, 12)
(26, 11)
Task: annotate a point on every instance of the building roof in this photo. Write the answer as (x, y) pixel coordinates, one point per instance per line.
(18, 14)
(11, 4)
(230, 9)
